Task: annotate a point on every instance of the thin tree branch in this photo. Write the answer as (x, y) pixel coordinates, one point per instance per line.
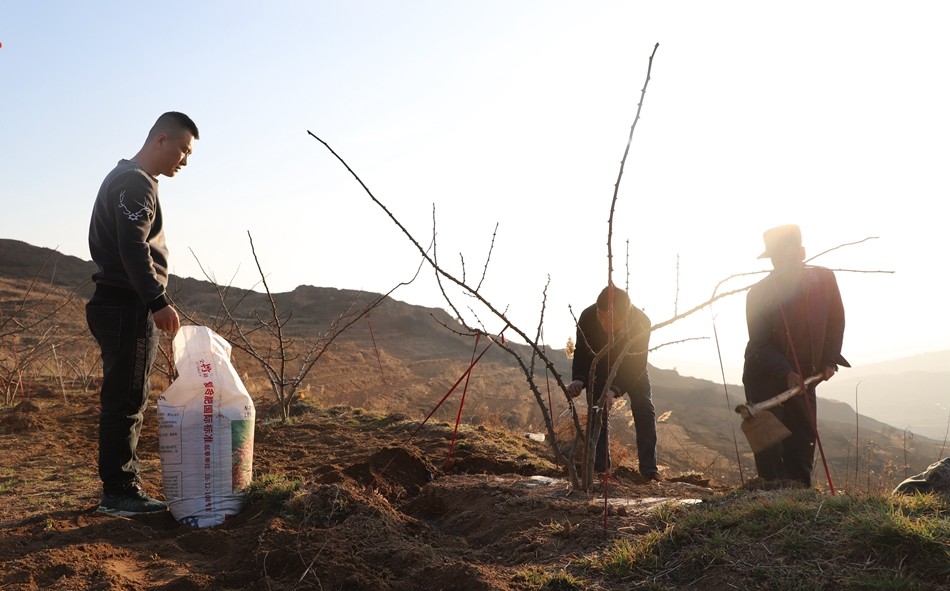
(623, 163)
(824, 252)
(488, 258)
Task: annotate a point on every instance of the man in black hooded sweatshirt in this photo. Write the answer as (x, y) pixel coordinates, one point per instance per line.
(613, 320)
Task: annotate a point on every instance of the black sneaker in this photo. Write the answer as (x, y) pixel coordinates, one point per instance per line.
(130, 502)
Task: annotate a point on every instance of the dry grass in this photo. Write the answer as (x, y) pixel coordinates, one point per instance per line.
(790, 540)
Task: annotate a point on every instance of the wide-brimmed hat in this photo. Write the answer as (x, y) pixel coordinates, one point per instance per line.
(781, 238)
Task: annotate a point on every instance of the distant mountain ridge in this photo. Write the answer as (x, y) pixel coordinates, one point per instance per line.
(912, 392)
(403, 359)
(19, 260)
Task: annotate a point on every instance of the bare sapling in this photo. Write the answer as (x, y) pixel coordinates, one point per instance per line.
(29, 328)
(567, 456)
(586, 434)
(262, 335)
(83, 365)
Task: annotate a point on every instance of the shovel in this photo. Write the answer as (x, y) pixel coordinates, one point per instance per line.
(762, 428)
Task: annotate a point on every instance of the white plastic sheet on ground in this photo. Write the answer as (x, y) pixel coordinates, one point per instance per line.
(206, 431)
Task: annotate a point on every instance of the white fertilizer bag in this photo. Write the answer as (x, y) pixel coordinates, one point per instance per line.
(205, 431)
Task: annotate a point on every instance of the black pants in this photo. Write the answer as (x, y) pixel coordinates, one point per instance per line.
(128, 341)
(794, 457)
(644, 421)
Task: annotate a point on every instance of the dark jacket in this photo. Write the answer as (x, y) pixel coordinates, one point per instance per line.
(632, 376)
(126, 239)
(814, 315)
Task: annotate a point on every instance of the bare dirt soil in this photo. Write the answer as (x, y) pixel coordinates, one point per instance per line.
(371, 503)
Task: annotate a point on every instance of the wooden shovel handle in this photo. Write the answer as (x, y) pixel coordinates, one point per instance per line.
(747, 410)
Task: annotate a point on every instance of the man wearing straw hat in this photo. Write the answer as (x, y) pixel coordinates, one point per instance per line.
(796, 327)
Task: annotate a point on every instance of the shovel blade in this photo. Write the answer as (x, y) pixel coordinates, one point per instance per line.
(763, 430)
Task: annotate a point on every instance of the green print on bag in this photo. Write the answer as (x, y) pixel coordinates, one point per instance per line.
(242, 454)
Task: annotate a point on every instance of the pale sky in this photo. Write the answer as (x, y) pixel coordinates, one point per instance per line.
(832, 115)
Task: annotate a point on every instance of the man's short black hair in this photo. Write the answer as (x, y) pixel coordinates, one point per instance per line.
(621, 299)
(173, 122)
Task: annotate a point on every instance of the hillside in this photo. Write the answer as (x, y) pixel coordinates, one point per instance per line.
(913, 392)
(404, 359)
(355, 492)
(345, 499)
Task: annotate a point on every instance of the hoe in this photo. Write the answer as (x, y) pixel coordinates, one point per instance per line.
(761, 427)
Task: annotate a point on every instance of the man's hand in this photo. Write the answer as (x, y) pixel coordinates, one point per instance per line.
(574, 388)
(827, 372)
(167, 320)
